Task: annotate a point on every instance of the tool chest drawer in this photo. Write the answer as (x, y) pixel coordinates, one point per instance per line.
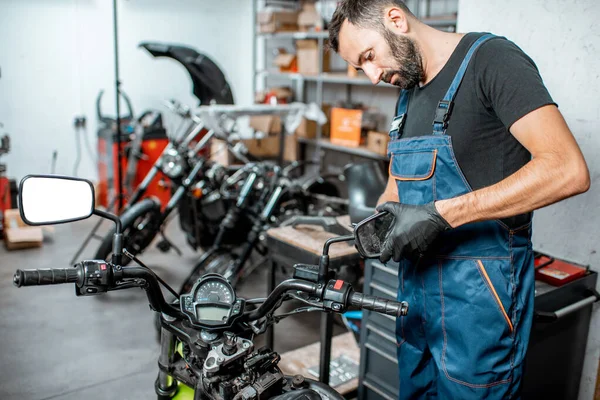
(383, 274)
(375, 390)
(378, 373)
(379, 365)
(385, 323)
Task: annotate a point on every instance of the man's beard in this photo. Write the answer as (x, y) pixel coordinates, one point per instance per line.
(406, 54)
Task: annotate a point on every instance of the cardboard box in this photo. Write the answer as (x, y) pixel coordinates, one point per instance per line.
(267, 124)
(286, 62)
(352, 72)
(307, 52)
(18, 235)
(268, 147)
(277, 21)
(309, 18)
(377, 142)
(346, 127)
(220, 154)
(308, 129)
(12, 219)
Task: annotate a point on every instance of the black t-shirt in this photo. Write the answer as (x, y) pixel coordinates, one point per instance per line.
(501, 85)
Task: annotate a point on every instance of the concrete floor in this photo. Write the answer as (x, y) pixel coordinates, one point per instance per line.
(54, 345)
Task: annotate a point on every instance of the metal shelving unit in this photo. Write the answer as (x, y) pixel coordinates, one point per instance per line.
(355, 151)
(326, 77)
(262, 73)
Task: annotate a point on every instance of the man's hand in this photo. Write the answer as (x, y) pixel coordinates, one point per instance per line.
(413, 231)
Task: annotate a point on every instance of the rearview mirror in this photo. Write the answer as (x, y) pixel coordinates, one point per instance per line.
(370, 233)
(51, 199)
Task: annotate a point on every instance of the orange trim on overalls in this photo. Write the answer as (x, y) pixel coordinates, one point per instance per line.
(493, 290)
(400, 178)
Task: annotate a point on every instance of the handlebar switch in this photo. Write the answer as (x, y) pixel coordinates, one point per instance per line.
(96, 278)
(336, 294)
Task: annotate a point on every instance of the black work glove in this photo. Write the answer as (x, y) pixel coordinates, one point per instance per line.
(413, 231)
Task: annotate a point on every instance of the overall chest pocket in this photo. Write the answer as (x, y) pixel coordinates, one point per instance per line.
(414, 173)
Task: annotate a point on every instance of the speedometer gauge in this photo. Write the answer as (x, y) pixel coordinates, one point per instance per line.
(212, 303)
(214, 292)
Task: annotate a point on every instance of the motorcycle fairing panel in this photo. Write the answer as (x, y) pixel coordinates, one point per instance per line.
(209, 81)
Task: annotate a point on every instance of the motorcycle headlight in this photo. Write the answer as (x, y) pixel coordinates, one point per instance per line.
(172, 163)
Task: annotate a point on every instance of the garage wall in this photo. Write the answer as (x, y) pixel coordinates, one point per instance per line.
(563, 38)
(57, 55)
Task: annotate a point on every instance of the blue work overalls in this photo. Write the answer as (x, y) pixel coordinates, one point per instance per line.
(471, 297)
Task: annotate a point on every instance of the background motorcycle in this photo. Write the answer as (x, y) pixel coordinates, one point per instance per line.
(192, 176)
(266, 195)
(207, 348)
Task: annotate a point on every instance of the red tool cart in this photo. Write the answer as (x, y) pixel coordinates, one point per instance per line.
(5, 184)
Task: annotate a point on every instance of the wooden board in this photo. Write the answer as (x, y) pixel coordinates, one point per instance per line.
(300, 360)
(344, 220)
(597, 395)
(311, 238)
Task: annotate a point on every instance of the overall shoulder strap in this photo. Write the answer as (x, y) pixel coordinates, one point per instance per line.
(398, 121)
(444, 108)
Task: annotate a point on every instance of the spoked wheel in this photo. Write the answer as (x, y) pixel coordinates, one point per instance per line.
(138, 230)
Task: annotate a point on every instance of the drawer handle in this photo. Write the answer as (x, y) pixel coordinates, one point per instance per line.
(381, 353)
(545, 316)
(383, 290)
(382, 334)
(385, 269)
(377, 390)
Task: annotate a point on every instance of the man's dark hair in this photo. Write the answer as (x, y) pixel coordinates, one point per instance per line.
(363, 13)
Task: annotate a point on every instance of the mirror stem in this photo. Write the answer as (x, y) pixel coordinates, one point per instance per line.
(118, 238)
(324, 261)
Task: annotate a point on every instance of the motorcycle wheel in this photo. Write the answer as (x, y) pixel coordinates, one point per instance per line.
(220, 262)
(134, 239)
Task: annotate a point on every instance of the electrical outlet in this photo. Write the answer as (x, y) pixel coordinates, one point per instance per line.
(79, 121)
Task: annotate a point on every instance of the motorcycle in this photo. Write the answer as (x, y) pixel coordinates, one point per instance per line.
(194, 182)
(265, 196)
(207, 335)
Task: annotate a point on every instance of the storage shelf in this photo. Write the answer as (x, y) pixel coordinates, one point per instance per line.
(434, 22)
(356, 151)
(295, 35)
(327, 77)
(441, 22)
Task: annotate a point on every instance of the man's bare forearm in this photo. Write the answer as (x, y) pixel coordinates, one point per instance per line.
(539, 183)
(386, 196)
(390, 193)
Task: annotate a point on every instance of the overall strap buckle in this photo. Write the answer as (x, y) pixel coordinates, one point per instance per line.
(396, 127)
(442, 114)
(444, 108)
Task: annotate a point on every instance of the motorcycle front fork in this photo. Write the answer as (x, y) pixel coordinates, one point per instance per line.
(165, 385)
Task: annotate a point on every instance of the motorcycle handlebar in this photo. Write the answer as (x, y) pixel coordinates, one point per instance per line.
(347, 297)
(155, 296)
(275, 295)
(379, 305)
(77, 275)
(32, 277)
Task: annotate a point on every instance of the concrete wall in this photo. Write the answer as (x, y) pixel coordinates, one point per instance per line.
(57, 55)
(563, 38)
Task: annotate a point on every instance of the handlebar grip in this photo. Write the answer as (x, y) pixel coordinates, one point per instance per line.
(31, 277)
(379, 305)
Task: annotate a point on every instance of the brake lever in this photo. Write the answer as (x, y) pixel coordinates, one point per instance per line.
(300, 310)
(127, 285)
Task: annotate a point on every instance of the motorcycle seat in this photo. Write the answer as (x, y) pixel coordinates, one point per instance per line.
(365, 184)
